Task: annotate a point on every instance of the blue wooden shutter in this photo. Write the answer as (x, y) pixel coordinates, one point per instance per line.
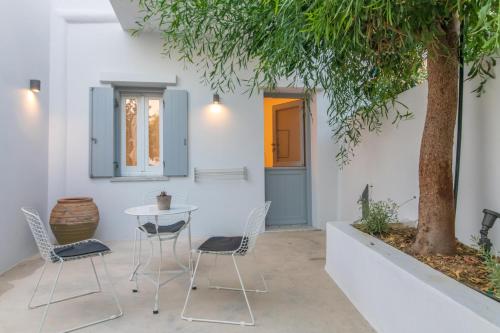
(101, 132)
(175, 133)
(117, 134)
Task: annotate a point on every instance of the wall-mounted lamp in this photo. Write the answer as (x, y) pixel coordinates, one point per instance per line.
(216, 105)
(216, 99)
(35, 85)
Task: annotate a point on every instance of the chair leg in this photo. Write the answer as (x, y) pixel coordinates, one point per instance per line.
(45, 312)
(30, 306)
(137, 264)
(264, 283)
(135, 247)
(157, 296)
(190, 245)
(264, 290)
(191, 251)
(214, 267)
(244, 291)
(242, 323)
(174, 251)
(193, 278)
(95, 274)
(117, 302)
(51, 296)
(113, 290)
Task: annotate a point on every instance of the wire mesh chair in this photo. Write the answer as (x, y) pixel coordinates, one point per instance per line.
(233, 246)
(161, 228)
(60, 254)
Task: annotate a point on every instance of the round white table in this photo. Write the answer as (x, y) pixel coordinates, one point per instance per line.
(146, 211)
(152, 210)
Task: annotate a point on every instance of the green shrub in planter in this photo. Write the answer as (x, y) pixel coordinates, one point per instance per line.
(493, 266)
(380, 214)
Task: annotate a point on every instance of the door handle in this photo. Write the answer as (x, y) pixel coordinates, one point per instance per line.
(94, 140)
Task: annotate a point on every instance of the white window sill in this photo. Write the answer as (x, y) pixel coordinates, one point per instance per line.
(139, 179)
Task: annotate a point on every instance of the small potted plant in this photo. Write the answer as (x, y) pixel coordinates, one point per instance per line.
(163, 200)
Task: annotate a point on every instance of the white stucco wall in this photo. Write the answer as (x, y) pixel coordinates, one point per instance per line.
(23, 123)
(82, 49)
(389, 162)
(480, 175)
(86, 40)
(324, 168)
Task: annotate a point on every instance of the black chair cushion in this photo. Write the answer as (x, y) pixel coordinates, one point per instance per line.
(171, 228)
(81, 249)
(221, 244)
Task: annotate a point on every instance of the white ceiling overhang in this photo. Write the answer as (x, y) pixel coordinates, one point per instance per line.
(129, 13)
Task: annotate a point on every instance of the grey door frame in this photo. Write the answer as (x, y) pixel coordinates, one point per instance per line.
(307, 146)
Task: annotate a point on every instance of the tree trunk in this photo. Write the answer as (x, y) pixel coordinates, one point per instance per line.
(436, 212)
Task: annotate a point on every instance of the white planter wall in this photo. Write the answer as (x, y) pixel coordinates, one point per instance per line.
(396, 293)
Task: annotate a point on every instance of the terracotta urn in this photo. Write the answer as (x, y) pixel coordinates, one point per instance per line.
(74, 219)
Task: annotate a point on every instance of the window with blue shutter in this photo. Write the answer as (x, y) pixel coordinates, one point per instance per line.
(175, 133)
(134, 132)
(102, 155)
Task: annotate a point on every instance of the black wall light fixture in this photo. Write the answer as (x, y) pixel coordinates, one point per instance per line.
(35, 85)
(216, 99)
(488, 221)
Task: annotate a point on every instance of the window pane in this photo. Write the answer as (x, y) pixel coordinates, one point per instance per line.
(154, 131)
(131, 131)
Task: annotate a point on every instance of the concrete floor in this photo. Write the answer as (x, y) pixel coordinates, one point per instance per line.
(302, 296)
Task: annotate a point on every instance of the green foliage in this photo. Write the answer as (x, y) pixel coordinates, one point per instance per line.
(493, 266)
(380, 214)
(362, 53)
(482, 39)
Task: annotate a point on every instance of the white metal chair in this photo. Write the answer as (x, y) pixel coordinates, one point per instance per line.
(163, 228)
(62, 253)
(233, 246)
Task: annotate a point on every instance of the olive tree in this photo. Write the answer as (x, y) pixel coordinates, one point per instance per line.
(363, 54)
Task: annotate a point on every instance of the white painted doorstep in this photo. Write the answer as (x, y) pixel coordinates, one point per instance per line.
(398, 294)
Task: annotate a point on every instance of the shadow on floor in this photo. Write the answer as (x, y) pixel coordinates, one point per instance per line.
(23, 269)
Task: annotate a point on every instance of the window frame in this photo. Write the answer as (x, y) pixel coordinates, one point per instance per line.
(142, 168)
